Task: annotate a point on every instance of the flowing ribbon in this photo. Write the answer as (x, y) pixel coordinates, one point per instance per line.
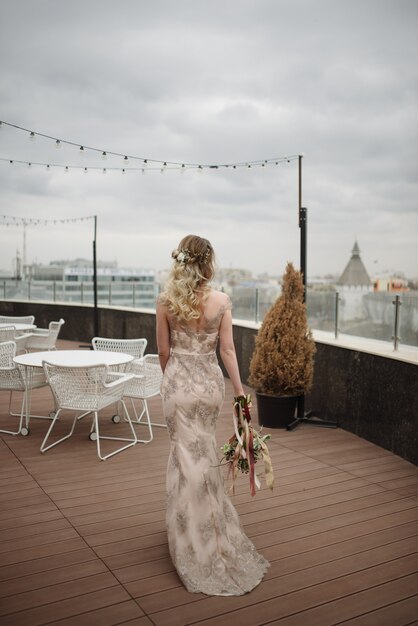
(244, 448)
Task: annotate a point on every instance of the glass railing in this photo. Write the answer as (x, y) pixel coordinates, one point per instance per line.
(116, 293)
(384, 316)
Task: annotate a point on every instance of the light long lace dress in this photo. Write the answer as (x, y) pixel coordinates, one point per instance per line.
(207, 545)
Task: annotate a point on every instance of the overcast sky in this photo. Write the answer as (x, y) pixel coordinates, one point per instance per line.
(215, 81)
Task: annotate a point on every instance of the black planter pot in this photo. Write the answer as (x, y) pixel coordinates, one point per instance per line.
(275, 411)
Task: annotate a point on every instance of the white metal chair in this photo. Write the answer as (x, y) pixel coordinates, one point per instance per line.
(8, 333)
(13, 319)
(145, 384)
(44, 338)
(134, 347)
(12, 378)
(87, 389)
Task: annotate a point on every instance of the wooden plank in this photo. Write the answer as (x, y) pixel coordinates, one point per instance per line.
(398, 613)
(121, 613)
(60, 591)
(366, 601)
(286, 595)
(46, 563)
(58, 609)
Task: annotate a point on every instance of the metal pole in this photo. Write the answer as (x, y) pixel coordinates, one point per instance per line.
(96, 312)
(337, 307)
(301, 417)
(256, 305)
(397, 302)
(300, 412)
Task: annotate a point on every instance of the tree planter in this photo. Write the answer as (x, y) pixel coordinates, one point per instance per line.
(275, 411)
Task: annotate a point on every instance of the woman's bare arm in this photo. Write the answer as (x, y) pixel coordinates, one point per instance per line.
(227, 352)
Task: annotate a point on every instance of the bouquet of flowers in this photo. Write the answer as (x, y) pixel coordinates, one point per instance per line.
(246, 447)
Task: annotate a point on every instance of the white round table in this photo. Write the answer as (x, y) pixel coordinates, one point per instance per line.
(69, 358)
(73, 358)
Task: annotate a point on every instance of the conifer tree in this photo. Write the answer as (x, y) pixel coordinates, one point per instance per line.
(282, 362)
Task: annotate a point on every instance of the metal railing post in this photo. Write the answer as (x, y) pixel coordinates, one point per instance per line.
(337, 310)
(257, 303)
(133, 294)
(397, 302)
(4, 289)
(82, 292)
(29, 289)
(54, 291)
(110, 293)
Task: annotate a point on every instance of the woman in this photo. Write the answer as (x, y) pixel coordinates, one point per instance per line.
(207, 544)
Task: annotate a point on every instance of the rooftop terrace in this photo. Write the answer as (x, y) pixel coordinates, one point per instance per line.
(83, 541)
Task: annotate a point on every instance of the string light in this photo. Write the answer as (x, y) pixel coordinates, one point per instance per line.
(32, 136)
(12, 220)
(158, 163)
(58, 144)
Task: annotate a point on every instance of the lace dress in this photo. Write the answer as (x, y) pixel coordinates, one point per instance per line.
(207, 545)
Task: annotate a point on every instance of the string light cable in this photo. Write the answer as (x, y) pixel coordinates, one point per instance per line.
(11, 220)
(145, 163)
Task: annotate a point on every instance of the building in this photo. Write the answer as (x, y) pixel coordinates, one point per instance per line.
(352, 285)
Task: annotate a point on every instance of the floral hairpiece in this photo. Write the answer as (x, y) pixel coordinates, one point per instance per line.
(184, 256)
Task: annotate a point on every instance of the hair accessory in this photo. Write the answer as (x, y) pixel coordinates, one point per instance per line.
(184, 256)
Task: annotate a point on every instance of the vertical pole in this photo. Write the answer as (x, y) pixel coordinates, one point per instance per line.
(96, 312)
(257, 304)
(302, 225)
(337, 312)
(397, 302)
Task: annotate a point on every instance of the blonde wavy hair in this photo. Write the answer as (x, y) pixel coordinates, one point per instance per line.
(187, 286)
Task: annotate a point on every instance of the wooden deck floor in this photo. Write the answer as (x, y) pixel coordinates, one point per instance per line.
(83, 541)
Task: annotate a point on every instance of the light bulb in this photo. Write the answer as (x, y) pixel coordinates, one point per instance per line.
(32, 136)
(104, 170)
(104, 155)
(66, 169)
(58, 144)
(81, 151)
(85, 170)
(123, 171)
(29, 164)
(125, 160)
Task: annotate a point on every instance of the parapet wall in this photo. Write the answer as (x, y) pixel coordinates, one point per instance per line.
(369, 395)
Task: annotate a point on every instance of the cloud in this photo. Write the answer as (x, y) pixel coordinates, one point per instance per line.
(218, 82)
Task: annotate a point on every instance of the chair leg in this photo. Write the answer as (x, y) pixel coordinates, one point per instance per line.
(132, 442)
(44, 448)
(147, 418)
(22, 412)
